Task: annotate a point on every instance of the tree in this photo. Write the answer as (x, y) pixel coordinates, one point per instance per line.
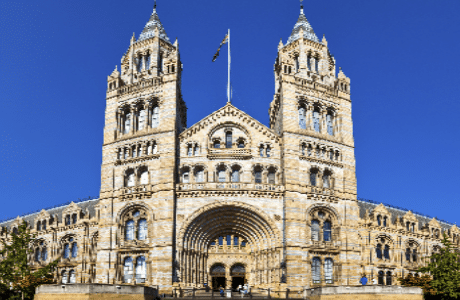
(443, 281)
(16, 275)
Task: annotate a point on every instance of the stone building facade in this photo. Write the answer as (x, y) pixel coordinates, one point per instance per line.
(229, 200)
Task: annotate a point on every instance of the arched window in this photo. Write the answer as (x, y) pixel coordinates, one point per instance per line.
(72, 278)
(144, 177)
(142, 118)
(39, 226)
(155, 116)
(388, 278)
(228, 139)
(258, 175)
(329, 120)
(44, 225)
(413, 227)
(315, 230)
(302, 149)
(271, 176)
(128, 270)
(66, 251)
(327, 231)
(386, 252)
(133, 151)
(380, 277)
(379, 220)
(407, 226)
(190, 150)
(127, 123)
(64, 276)
(327, 179)
(414, 255)
(316, 270)
(74, 250)
(140, 269)
(309, 62)
(74, 218)
(130, 180)
(378, 251)
(385, 221)
(186, 176)
(236, 174)
(261, 151)
(129, 235)
(313, 175)
(221, 175)
(317, 65)
(142, 229)
(302, 118)
(316, 120)
(200, 175)
(328, 267)
(241, 144)
(297, 66)
(37, 254)
(196, 150)
(268, 151)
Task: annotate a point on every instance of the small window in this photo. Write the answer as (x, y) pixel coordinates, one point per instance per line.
(221, 175)
(261, 151)
(186, 177)
(66, 251)
(130, 180)
(328, 270)
(64, 277)
(44, 254)
(155, 117)
(129, 236)
(189, 150)
(258, 176)
(386, 252)
(196, 150)
(327, 231)
(316, 121)
(379, 220)
(380, 277)
(267, 151)
(139, 64)
(200, 175)
(378, 251)
(74, 250)
(127, 123)
(408, 254)
(302, 151)
(236, 175)
(134, 151)
(140, 269)
(414, 255)
(235, 241)
(240, 144)
(315, 229)
(316, 270)
(147, 62)
(385, 221)
(388, 278)
(302, 118)
(142, 117)
(72, 278)
(313, 175)
(326, 180)
(128, 270)
(142, 229)
(37, 254)
(216, 144)
(271, 177)
(412, 227)
(330, 130)
(228, 139)
(144, 177)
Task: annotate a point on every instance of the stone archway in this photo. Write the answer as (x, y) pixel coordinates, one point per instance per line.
(228, 234)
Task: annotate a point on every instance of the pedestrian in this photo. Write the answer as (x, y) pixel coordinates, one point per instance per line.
(374, 281)
(363, 280)
(221, 291)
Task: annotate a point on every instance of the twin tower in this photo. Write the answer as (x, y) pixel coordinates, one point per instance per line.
(227, 200)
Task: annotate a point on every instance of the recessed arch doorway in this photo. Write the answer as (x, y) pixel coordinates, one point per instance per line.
(236, 236)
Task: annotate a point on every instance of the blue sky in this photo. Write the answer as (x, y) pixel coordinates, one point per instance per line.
(402, 58)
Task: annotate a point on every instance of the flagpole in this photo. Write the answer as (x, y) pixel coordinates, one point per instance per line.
(229, 95)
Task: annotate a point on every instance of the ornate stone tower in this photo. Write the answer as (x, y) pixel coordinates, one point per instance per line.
(311, 110)
(144, 115)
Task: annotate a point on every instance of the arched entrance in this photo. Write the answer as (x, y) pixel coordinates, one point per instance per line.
(238, 273)
(218, 276)
(236, 236)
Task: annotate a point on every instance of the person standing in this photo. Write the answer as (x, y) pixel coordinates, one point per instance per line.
(363, 280)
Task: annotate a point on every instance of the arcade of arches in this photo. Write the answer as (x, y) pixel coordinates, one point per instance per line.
(228, 246)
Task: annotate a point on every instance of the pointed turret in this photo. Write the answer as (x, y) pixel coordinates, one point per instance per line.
(302, 28)
(154, 23)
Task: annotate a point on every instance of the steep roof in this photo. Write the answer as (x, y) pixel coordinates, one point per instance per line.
(302, 23)
(149, 29)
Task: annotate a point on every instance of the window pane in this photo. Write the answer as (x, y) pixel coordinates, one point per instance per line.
(129, 230)
(302, 117)
(261, 150)
(142, 230)
(155, 117)
(66, 251)
(386, 252)
(221, 174)
(64, 276)
(140, 269)
(235, 176)
(145, 177)
(316, 270)
(378, 251)
(200, 176)
(316, 121)
(142, 119)
(328, 266)
(313, 178)
(329, 124)
(128, 269)
(228, 139)
(380, 276)
(74, 250)
(147, 64)
(72, 278)
(271, 177)
(127, 123)
(327, 231)
(268, 151)
(37, 254)
(189, 151)
(44, 254)
(326, 180)
(258, 175)
(315, 230)
(197, 150)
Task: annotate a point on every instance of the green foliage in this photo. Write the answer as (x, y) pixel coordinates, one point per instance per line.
(443, 281)
(16, 276)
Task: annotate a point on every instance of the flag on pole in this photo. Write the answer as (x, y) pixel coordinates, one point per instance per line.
(223, 43)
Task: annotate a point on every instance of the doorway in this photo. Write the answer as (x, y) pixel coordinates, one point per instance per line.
(218, 282)
(236, 281)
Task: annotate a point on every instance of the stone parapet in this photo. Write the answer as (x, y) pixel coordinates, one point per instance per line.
(94, 291)
(366, 292)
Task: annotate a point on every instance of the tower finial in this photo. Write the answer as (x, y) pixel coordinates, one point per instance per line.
(301, 6)
(155, 5)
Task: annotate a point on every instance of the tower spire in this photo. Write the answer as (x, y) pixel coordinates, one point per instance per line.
(304, 27)
(154, 23)
(155, 5)
(301, 7)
